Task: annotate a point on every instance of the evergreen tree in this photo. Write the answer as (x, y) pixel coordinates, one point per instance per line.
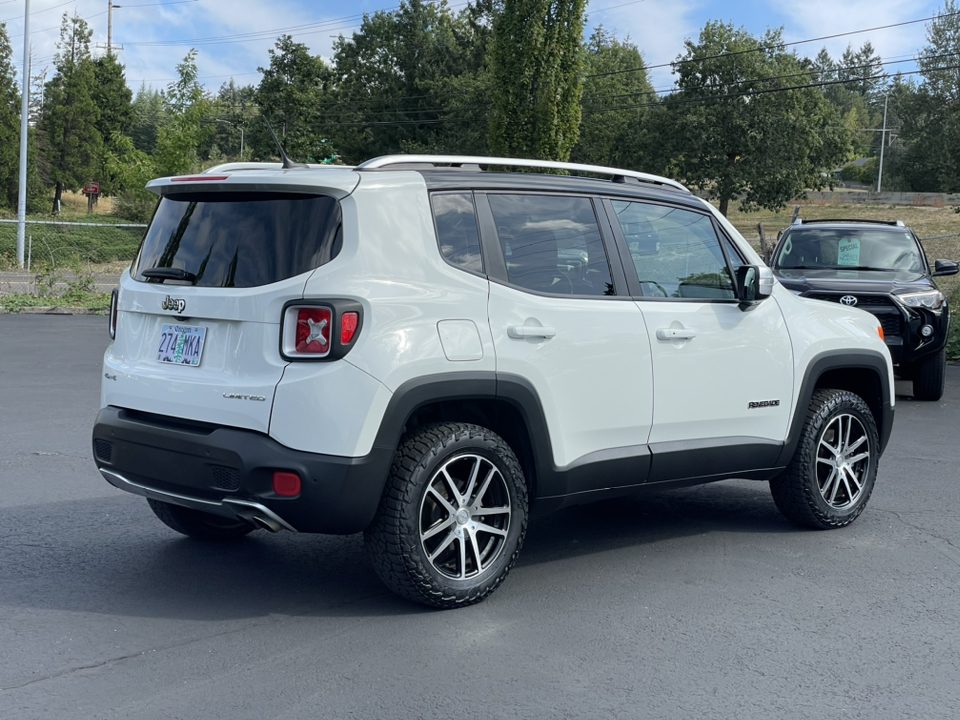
(146, 118)
(9, 126)
(536, 64)
(70, 113)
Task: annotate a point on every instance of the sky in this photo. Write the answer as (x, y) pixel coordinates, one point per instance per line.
(233, 36)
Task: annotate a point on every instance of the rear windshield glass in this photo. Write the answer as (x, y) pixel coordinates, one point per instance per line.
(239, 239)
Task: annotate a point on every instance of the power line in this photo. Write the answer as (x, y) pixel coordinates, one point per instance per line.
(776, 46)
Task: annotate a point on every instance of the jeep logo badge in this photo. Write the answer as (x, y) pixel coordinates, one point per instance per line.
(848, 300)
(178, 305)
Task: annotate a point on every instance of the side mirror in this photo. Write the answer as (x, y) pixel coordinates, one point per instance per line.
(754, 283)
(945, 267)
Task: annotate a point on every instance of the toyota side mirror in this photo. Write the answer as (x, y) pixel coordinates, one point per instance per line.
(945, 267)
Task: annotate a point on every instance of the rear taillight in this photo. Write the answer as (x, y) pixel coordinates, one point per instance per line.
(314, 325)
(349, 322)
(323, 330)
(114, 309)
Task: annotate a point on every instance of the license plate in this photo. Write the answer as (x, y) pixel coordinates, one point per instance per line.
(181, 344)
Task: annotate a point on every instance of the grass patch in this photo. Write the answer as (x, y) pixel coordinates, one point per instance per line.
(953, 339)
(90, 301)
(926, 222)
(61, 245)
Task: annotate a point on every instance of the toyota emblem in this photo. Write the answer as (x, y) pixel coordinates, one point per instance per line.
(848, 300)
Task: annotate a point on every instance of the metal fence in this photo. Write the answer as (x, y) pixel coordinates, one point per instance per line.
(56, 254)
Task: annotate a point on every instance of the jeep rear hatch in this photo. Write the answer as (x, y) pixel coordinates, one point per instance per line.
(198, 332)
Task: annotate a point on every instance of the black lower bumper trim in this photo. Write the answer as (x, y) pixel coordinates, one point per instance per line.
(185, 465)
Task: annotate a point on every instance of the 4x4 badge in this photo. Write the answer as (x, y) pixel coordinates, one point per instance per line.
(178, 305)
(849, 300)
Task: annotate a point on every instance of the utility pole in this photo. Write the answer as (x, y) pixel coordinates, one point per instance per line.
(883, 142)
(24, 113)
(109, 27)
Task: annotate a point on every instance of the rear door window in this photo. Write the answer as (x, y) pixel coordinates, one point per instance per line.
(240, 239)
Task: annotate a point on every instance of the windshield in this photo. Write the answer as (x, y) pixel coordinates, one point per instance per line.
(837, 252)
(238, 239)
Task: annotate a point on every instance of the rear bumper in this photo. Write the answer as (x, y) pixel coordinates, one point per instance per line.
(229, 472)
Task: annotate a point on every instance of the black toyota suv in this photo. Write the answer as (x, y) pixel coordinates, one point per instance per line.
(879, 267)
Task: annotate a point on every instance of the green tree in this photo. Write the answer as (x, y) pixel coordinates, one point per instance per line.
(70, 114)
(616, 99)
(536, 65)
(113, 99)
(928, 114)
(412, 80)
(147, 117)
(293, 96)
(184, 128)
(745, 122)
(234, 112)
(9, 125)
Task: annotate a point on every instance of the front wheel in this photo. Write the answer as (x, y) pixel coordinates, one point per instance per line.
(452, 517)
(928, 377)
(833, 471)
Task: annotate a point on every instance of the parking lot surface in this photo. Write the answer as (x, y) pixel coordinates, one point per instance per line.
(698, 603)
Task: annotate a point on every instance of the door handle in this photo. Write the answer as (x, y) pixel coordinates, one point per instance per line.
(530, 331)
(675, 334)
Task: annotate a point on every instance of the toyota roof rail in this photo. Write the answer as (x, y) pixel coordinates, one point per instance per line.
(618, 175)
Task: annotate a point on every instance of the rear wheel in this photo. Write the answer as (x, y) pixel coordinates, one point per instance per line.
(831, 476)
(452, 517)
(928, 376)
(199, 525)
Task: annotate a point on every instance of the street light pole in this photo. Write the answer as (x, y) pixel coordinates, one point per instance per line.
(24, 112)
(883, 142)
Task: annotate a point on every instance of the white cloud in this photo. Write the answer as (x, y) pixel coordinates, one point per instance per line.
(657, 27)
(820, 18)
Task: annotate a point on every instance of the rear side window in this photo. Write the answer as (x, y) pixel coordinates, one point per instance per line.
(675, 252)
(457, 233)
(241, 239)
(552, 244)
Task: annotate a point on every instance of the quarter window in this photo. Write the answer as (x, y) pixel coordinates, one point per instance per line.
(552, 244)
(456, 219)
(676, 252)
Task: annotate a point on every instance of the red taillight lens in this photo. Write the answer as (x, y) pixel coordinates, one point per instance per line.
(313, 330)
(286, 484)
(348, 327)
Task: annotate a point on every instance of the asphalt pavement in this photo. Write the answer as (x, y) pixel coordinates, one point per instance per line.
(697, 603)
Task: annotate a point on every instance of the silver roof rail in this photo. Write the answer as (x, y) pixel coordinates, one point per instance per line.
(388, 160)
(240, 166)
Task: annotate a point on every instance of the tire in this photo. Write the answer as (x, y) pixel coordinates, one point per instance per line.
(929, 376)
(434, 539)
(199, 525)
(810, 491)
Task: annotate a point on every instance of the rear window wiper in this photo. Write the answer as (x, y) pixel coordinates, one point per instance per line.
(169, 273)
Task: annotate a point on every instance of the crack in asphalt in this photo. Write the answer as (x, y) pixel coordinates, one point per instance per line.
(183, 643)
(942, 544)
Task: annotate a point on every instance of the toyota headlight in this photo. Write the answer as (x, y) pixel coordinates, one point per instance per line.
(929, 299)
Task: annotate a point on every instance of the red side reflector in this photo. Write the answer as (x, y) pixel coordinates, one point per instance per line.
(199, 178)
(286, 484)
(313, 330)
(348, 327)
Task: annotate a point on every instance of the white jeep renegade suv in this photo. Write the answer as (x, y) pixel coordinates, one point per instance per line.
(422, 350)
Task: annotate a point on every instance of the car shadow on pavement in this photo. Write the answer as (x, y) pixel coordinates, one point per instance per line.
(114, 557)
